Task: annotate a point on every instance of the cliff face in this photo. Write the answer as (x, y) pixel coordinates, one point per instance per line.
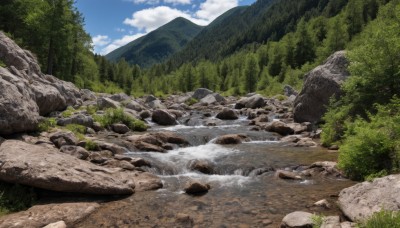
(26, 93)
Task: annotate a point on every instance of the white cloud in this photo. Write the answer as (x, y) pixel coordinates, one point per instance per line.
(101, 40)
(153, 2)
(120, 42)
(211, 9)
(152, 18)
(177, 2)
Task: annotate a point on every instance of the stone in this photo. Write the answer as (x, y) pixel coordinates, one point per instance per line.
(323, 203)
(75, 151)
(232, 139)
(120, 128)
(63, 138)
(298, 219)
(49, 169)
(361, 201)
(184, 219)
(88, 95)
(289, 91)
(97, 127)
(145, 114)
(299, 128)
(209, 99)
(105, 103)
(320, 85)
(150, 98)
(147, 147)
(119, 164)
(163, 117)
(194, 187)
(253, 102)
(139, 162)
(114, 148)
(49, 215)
(227, 114)
(79, 119)
(201, 93)
(279, 127)
(97, 158)
(134, 106)
(348, 225)
(288, 175)
(120, 97)
(201, 166)
(156, 104)
(59, 224)
(331, 222)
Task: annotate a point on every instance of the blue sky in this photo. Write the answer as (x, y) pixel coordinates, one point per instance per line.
(114, 23)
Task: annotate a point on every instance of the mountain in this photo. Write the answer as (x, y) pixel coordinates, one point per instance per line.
(158, 45)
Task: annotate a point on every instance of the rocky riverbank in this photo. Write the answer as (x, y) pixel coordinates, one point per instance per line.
(58, 138)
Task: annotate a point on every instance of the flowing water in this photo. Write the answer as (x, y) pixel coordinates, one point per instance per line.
(244, 191)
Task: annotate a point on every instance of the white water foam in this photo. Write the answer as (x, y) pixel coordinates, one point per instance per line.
(184, 127)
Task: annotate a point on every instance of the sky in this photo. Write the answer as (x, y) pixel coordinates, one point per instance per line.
(114, 23)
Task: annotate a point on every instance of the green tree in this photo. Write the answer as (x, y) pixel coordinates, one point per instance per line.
(251, 73)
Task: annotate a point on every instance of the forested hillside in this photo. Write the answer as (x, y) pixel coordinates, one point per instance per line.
(158, 45)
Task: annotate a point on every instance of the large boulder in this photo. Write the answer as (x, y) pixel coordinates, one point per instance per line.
(227, 114)
(201, 93)
(49, 169)
(279, 127)
(320, 85)
(255, 101)
(361, 201)
(104, 103)
(26, 93)
(298, 219)
(163, 117)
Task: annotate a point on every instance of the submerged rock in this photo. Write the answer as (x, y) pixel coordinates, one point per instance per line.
(194, 187)
(298, 219)
(232, 139)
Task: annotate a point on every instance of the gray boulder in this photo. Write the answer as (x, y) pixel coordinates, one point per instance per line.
(63, 138)
(231, 139)
(279, 127)
(120, 97)
(298, 219)
(76, 151)
(201, 93)
(156, 104)
(120, 128)
(227, 114)
(104, 103)
(361, 201)
(253, 102)
(320, 85)
(134, 106)
(79, 119)
(163, 117)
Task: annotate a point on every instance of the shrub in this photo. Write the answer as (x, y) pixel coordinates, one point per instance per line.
(383, 219)
(2, 64)
(191, 101)
(91, 109)
(47, 124)
(317, 220)
(90, 145)
(281, 97)
(15, 197)
(78, 130)
(336, 120)
(113, 116)
(68, 113)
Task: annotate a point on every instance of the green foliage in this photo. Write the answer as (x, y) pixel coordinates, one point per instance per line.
(336, 119)
(91, 109)
(113, 116)
(191, 101)
(281, 97)
(90, 145)
(46, 124)
(2, 64)
(78, 130)
(317, 220)
(69, 112)
(383, 219)
(15, 197)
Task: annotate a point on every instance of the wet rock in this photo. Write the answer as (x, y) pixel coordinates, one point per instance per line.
(145, 114)
(49, 214)
(120, 128)
(139, 162)
(288, 175)
(298, 219)
(323, 203)
(79, 119)
(119, 164)
(232, 139)
(194, 187)
(253, 102)
(120, 97)
(201, 93)
(227, 114)
(134, 106)
(279, 127)
(145, 181)
(306, 142)
(201, 166)
(59, 224)
(320, 85)
(163, 117)
(184, 220)
(170, 137)
(63, 138)
(325, 168)
(361, 201)
(75, 151)
(105, 103)
(114, 148)
(176, 113)
(49, 169)
(331, 222)
(144, 146)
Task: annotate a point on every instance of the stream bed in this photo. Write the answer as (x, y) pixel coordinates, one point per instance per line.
(244, 191)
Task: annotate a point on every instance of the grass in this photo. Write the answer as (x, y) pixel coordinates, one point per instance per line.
(90, 145)
(113, 116)
(191, 101)
(78, 130)
(47, 124)
(317, 220)
(15, 197)
(383, 219)
(69, 112)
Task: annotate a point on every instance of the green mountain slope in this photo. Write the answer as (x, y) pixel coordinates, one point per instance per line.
(158, 45)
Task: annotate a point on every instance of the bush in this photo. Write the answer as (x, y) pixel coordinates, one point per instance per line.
(383, 219)
(90, 145)
(191, 101)
(317, 220)
(91, 109)
(68, 113)
(47, 124)
(336, 119)
(78, 130)
(113, 116)
(15, 197)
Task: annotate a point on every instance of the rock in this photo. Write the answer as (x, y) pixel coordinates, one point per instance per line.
(150, 98)
(320, 85)
(135, 106)
(156, 142)
(348, 225)
(146, 181)
(163, 117)
(209, 99)
(2, 140)
(63, 138)
(298, 219)
(147, 147)
(331, 222)
(49, 169)
(288, 175)
(97, 158)
(120, 97)
(201, 166)
(194, 187)
(139, 162)
(145, 114)
(325, 168)
(97, 127)
(114, 148)
(201, 93)
(289, 91)
(59, 224)
(79, 119)
(334, 147)
(119, 164)
(88, 95)
(170, 137)
(253, 102)
(75, 151)
(49, 215)
(231, 139)
(306, 142)
(105, 103)
(300, 128)
(120, 128)
(323, 203)
(361, 201)
(227, 114)
(279, 127)
(184, 219)
(156, 104)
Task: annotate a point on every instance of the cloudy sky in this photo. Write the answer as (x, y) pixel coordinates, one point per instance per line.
(114, 23)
